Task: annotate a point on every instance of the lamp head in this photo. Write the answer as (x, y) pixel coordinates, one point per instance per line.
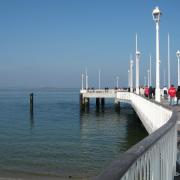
(156, 14)
(138, 54)
(178, 54)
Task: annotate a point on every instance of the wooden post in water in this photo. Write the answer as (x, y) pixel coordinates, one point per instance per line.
(102, 102)
(97, 102)
(82, 103)
(31, 103)
(86, 101)
(117, 105)
(86, 104)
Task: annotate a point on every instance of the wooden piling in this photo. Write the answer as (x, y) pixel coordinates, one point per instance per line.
(86, 101)
(97, 102)
(102, 102)
(81, 101)
(117, 106)
(31, 103)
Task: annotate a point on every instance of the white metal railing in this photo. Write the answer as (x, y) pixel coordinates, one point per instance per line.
(154, 158)
(102, 90)
(156, 163)
(100, 93)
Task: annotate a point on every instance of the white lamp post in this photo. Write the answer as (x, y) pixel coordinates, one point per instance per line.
(164, 77)
(131, 75)
(148, 80)
(137, 71)
(178, 56)
(117, 82)
(99, 79)
(82, 81)
(144, 81)
(169, 73)
(86, 80)
(156, 17)
(128, 78)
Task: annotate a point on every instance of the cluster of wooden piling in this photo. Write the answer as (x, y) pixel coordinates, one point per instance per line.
(100, 103)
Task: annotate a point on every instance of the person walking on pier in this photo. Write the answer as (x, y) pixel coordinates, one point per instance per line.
(178, 94)
(146, 91)
(150, 92)
(172, 94)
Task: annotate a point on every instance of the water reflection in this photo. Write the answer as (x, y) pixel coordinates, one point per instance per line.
(31, 119)
(117, 129)
(135, 129)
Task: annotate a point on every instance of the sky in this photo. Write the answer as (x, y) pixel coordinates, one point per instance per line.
(49, 43)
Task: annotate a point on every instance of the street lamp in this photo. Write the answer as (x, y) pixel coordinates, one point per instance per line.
(156, 17)
(145, 81)
(150, 82)
(169, 74)
(117, 82)
(82, 81)
(178, 56)
(148, 79)
(128, 78)
(138, 54)
(131, 75)
(99, 79)
(86, 79)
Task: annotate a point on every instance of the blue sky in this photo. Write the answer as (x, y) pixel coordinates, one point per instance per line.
(48, 43)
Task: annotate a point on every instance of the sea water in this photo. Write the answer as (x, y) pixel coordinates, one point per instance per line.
(59, 140)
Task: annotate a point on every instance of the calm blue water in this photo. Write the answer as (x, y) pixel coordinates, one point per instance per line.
(59, 140)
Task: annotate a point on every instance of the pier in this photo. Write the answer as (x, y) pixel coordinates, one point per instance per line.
(155, 156)
(100, 95)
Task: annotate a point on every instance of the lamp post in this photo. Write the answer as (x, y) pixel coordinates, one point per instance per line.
(99, 79)
(137, 71)
(131, 75)
(164, 77)
(148, 79)
(117, 82)
(178, 56)
(86, 80)
(156, 17)
(169, 73)
(144, 81)
(128, 78)
(82, 81)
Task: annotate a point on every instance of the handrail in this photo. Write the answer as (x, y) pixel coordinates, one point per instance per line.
(136, 161)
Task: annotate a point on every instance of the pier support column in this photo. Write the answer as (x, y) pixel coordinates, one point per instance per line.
(82, 102)
(97, 102)
(86, 100)
(86, 104)
(102, 102)
(117, 105)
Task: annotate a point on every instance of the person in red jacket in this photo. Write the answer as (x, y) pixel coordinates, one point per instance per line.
(146, 91)
(172, 94)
